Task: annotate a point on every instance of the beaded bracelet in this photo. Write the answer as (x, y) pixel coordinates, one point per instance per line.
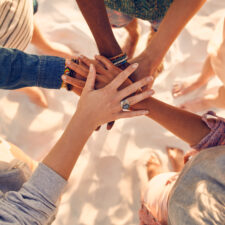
(70, 73)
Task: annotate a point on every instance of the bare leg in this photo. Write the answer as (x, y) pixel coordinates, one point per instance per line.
(214, 98)
(49, 48)
(154, 166)
(35, 94)
(176, 157)
(132, 39)
(187, 87)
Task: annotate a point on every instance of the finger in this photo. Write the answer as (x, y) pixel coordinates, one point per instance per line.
(140, 97)
(130, 114)
(117, 82)
(90, 83)
(110, 125)
(73, 81)
(134, 87)
(77, 68)
(106, 62)
(108, 70)
(99, 78)
(77, 90)
(86, 60)
(102, 79)
(99, 68)
(82, 64)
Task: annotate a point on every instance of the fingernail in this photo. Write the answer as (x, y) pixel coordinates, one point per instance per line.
(63, 77)
(135, 65)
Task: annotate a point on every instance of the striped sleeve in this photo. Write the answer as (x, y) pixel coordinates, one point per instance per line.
(16, 23)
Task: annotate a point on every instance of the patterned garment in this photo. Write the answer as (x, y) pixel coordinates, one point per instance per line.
(216, 137)
(118, 19)
(151, 10)
(146, 217)
(16, 23)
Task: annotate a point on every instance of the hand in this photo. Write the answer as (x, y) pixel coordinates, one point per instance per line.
(106, 72)
(105, 69)
(103, 105)
(146, 68)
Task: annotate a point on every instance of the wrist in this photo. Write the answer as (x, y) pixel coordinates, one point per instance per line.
(156, 50)
(84, 121)
(110, 48)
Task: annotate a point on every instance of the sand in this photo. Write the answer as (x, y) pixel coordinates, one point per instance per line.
(105, 186)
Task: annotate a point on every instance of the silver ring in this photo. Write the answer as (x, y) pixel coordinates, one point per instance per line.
(124, 104)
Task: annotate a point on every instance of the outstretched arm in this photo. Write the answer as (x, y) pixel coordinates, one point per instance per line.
(19, 69)
(185, 125)
(36, 201)
(95, 14)
(177, 16)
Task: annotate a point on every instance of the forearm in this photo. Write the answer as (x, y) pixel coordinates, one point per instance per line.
(95, 14)
(177, 16)
(65, 153)
(19, 69)
(187, 126)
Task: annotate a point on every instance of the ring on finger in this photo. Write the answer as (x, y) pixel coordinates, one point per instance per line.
(125, 105)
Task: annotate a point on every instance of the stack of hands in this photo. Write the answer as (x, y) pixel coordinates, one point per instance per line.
(103, 88)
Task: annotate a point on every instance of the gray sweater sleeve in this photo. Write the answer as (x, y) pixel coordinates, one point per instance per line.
(36, 201)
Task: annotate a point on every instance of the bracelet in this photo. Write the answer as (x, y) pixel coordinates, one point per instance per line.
(117, 56)
(119, 59)
(70, 73)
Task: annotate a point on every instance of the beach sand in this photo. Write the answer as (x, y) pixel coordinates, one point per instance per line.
(105, 186)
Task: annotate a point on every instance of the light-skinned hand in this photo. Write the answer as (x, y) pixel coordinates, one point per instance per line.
(106, 72)
(103, 105)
